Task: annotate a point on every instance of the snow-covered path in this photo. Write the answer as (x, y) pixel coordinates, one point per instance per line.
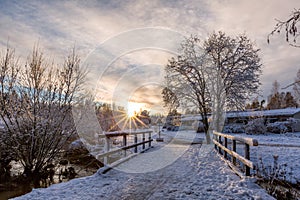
(197, 174)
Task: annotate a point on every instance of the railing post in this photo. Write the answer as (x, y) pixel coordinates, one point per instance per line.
(220, 141)
(234, 150)
(149, 139)
(225, 143)
(247, 156)
(143, 141)
(106, 149)
(215, 138)
(135, 142)
(124, 143)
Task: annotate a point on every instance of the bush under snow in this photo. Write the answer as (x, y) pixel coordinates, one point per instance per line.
(282, 127)
(277, 127)
(234, 128)
(256, 126)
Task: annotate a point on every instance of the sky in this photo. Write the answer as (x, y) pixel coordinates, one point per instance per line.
(126, 44)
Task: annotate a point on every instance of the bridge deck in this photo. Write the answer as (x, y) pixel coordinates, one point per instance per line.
(197, 174)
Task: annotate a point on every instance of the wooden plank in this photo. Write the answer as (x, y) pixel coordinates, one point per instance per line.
(236, 155)
(233, 167)
(116, 150)
(122, 133)
(134, 145)
(250, 141)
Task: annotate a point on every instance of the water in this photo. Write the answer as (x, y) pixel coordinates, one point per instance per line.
(20, 190)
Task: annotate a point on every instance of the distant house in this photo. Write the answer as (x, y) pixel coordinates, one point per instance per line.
(242, 117)
(269, 115)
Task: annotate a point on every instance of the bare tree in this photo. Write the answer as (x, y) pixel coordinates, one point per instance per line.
(170, 99)
(186, 79)
(35, 103)
(233, 73)
(220, 74)
(275, 87)
(290, 26)
(237, 63)
(296, 87)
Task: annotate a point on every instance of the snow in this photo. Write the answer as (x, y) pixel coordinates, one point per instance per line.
(198, 173)
(285, 146)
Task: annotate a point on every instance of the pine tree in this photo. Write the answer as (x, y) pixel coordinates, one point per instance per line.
(275, 99)
(289, 100)
(255, 104)
(274, 102)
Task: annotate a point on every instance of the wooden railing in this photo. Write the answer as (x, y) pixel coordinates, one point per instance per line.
(221, 146)
(126, 144)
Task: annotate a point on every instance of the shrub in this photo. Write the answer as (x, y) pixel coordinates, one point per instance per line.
(282, 127)
(255, 126)
(234, 128)
(277, 180)
(277, 127)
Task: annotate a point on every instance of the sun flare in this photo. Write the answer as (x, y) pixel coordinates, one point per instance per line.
(133, 108)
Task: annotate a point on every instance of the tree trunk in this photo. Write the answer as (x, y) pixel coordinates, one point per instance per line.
(206, 128)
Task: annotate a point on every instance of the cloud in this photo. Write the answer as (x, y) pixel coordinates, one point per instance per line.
(256, 19)
(59, 25)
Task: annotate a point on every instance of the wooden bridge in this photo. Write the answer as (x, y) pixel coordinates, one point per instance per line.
(133, 139)
(197, 173)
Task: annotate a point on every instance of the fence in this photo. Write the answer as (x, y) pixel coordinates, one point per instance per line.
(126, 144)
(223, 149)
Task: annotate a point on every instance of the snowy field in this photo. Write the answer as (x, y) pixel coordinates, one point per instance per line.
(285, 146)
(198, 174)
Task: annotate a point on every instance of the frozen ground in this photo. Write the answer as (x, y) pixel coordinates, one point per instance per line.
(197, 174)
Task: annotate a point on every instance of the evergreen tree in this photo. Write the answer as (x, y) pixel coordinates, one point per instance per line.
(255, 104)
(274, 100)
(289, 100)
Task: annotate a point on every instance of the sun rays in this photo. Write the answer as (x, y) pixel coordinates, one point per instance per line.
(129, 119)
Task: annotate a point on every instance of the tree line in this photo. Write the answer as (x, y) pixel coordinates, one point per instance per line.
(279, 99)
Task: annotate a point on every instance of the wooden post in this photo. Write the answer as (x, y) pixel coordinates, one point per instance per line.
(149, 139)
(216, 138)
(247, 156)
(225, 143)
(143, 140)
(106, 149)
(220, 141)
(135, 142)
(234, 149)
(124, 143)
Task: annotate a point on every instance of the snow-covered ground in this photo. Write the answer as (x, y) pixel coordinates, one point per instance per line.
(285, 146)
(198, 174)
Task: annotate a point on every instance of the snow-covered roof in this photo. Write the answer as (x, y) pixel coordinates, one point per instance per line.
(265, 113)
(237, 114)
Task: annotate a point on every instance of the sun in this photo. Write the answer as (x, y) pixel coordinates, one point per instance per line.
(133, 108)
